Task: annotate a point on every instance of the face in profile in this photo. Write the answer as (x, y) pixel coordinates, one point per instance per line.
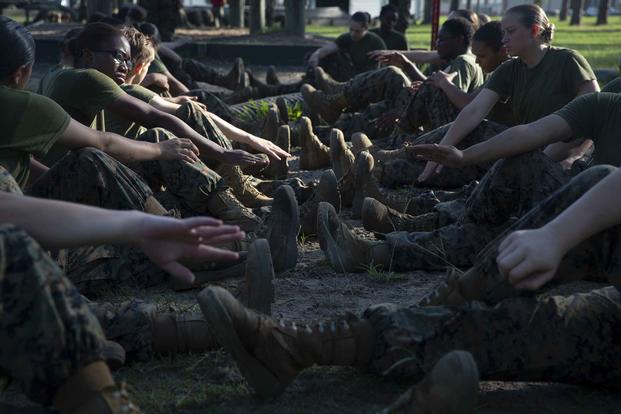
(357, 30)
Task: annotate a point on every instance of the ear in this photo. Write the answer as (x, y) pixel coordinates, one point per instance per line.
(137, 68)
(86, 57)
(535, 30)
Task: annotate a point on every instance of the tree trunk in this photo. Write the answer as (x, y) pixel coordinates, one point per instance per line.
(469, 4)
(101, 6)
(295, 22)
(257, 16)
(576, 13)
(564, 10)
(427, 6)
(602, 12)
(237, 13)
(454, 5)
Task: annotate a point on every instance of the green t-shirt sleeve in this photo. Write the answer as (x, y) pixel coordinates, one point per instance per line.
(576, 71)
(614, 86)
(465, 73)
(501, 81)
(139, 92)
(42, 123)
(582, 115)
(92, 91)
(157, 66)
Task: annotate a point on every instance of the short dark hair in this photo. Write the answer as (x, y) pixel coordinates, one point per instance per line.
(460, 27)
(389, 8)
(93, 35)
(469, 15)
(490, 34)
(363, 18)
(18, 46)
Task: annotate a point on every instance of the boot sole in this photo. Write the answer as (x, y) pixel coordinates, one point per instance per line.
(260, 277)
(263, 381)
(356, 205)
(335, 153)
(283, 238)
(326, 240)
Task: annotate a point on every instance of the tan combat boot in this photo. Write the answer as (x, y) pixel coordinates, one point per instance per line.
(341, 157)
(271, 77)
(222, 204)
(329, 106)
(345, 251)
(279, 170)
(325, 82)
(361, 142)
(380, 218)
(242, 187)
(450, 388)
(346, 188)
(236, 79)
(314, 154)
(271, 353)
(91, 390)
(281, 228)
(326, 191)
(271, 124)
(283, 110)
(365, 183)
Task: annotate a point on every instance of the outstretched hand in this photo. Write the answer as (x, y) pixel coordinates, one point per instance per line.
(529, 258)
(241, 158)
(179, 148)
(395, 59)
(268, 148)
(446, 155)
(166, 241)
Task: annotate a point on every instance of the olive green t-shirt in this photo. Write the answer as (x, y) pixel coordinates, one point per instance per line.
(393, 39)
(157, 66)
(123, 126)
(45, 79)
(358, 50)
(613, 86)
(83, 93)
(597, 116)
(469, 74)
(543, 89)
(30, 124)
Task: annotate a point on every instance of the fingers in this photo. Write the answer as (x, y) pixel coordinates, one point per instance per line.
(536, 281)
(510, 261)
(180, 272)
(223, 239)
(200, 221)
(428, 171)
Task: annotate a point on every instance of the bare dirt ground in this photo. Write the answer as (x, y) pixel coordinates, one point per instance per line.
(210, 382)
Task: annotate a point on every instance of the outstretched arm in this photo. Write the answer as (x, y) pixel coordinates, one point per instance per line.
(127, 150)
(165, 240)
(530, 258)
(322, 52)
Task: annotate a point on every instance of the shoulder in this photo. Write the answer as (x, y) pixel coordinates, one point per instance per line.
(374, 38)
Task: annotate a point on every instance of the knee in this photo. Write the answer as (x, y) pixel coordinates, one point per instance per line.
(8, 183)
(18, 251)
(594, 174)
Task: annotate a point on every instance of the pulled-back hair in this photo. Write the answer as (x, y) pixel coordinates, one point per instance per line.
(17, 45)
(460, 27)
(93, 36)
(490, 34)
(150, 30)
(362, 17)
(533, 15)
(69, 42)
(469, 15)
(142, 50)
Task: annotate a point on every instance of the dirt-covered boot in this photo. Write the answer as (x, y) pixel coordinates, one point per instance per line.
(365, 183)
(281, 228)
(283, 110)
(328, 106)
(450, 388)
(344, 250)
(279, 169)
(341, 157)
(449, 292)
(325, 82)
(222, 204)
(264, 89)
(241, 95)
(91, 390)
(236, 79)
(346, 189)
(258, 292)
(380, 218)
(271, 77)
(327, 191)
(314, 154)
(242, 187)
(361, 142)
(271, 353)
(113, 354)
(174, 333)
(271, 124)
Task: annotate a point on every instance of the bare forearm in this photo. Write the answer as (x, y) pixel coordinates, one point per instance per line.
(129, 150)
(81, 225)
(457, 97)
(423, 56)
(231, 131)
(594, 212)
(413, 72)
(207, 148)
(176, 88)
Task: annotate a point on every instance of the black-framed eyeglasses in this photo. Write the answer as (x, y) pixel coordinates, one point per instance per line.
(118, 56)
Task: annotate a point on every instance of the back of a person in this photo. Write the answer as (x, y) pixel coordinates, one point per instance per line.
(358, 51)
(393, 39)
(538, 91)
(470, 76)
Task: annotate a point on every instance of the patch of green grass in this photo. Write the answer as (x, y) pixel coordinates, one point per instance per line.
(376, 274)
(599, 44)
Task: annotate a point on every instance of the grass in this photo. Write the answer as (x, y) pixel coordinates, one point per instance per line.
(599, 44)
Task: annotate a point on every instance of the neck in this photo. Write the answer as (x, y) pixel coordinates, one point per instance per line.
(385, 29)
(534, 55)
(459, 53)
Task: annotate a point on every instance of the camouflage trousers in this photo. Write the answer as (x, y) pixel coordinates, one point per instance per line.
(402, 171)
(513, 335)
(428, 109)
(339, 66)
(47, 331)
(510, 189)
